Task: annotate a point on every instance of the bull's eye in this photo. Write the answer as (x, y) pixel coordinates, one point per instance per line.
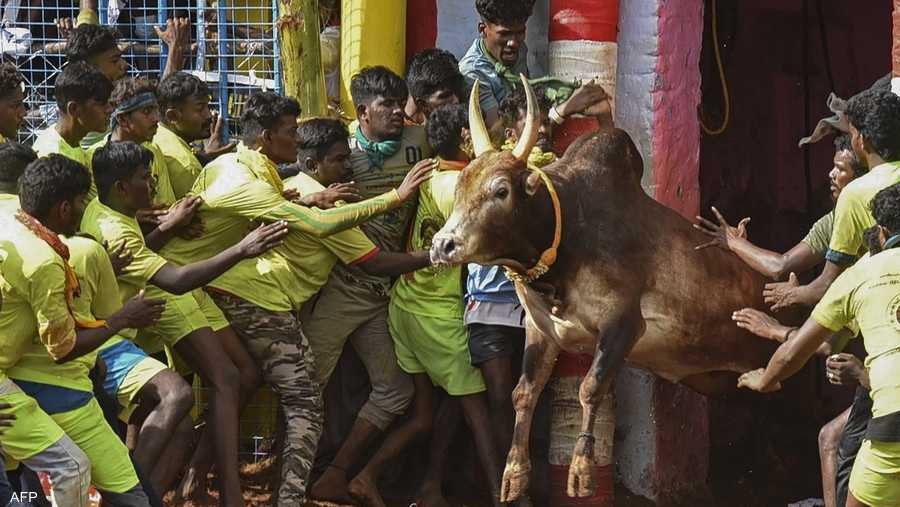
(501, 193)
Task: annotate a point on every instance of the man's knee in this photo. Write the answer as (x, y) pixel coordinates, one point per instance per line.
(394, 395)
(175, 394)
(829, 439)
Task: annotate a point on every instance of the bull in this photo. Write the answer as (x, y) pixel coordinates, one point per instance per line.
(614, 273)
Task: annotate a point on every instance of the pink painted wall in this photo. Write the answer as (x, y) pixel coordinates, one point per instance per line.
(676, 93)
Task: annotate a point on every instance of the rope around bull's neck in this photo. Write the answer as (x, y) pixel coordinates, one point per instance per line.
(548, 257)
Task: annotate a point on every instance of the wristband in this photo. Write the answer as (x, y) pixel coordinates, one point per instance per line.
(555, 117)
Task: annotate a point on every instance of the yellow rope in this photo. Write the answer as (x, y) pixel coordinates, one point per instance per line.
(548, 257)
(716, 50)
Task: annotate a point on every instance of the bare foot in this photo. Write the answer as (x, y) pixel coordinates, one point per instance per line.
(332, 486)
(365, 489)
(431, 495)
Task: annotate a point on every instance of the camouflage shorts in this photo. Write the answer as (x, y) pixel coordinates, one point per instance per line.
(277, 343)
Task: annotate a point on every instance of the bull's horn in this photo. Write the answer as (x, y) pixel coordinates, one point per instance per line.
(481, 141)
(532, 124)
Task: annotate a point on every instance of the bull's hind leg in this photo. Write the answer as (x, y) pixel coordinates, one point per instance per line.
(537, 364)
(612, 347)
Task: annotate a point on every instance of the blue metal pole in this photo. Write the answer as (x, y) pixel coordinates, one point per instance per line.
(164, 48)
(276, 45)
(222, 29)
(103, 13)
(201, 36)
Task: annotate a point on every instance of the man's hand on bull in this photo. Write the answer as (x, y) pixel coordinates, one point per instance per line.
(587, 99)
(782, 295)
(761, 324)
(755, 380)
(846, 370)
(722, 234)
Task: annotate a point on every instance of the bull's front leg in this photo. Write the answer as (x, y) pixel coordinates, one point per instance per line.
(612, 348)
(537, 364)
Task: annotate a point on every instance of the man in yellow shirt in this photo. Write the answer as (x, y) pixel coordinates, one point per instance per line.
(157, 397)
(865, 298)
(135, 117)
(52, 193)
(188, 325)
(82, 96)
(874, 117)
(260, 297)
(12, 101)
(186, 118)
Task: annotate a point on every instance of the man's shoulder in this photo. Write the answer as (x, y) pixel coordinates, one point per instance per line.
(46, 141)
(303, 183)
(473, 59)
(83, 246)
(25, 252)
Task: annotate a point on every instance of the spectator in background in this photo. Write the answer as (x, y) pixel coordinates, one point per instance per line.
(12, 101)
(434, 80)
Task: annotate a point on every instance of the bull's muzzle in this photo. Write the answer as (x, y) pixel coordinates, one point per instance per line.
(445, 249)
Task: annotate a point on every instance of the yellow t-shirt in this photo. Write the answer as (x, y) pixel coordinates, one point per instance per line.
(180, 160)
(852, 215)
(109, 226)
(435, 291)
(9, 204)
(49, 141)
(242, 189)
(34, 309)
(312, 259)
(98, 299)
(869, 293)
(163, 185)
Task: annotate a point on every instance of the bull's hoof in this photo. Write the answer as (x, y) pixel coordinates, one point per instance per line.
(581, 477)
(515, 481)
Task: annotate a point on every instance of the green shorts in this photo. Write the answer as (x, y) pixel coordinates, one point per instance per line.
(111, 468)
(183, 315)
(32, 431)
(133, 382)
(438, 347)
(875, 479)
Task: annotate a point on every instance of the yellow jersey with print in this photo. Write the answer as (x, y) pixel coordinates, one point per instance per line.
(163, 193)
(182, 164)
(97, 299)
(852, 215)
(388, 231)
(435, 291)
(869, 293)
(34, 308)
(240, 191)
(112, 228)
(312, 259)
(48, 141)
(9, 204)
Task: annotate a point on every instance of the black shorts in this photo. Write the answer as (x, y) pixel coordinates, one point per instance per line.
(489, 341)
(851, 440)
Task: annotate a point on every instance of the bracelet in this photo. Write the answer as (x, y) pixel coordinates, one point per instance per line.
(555, 117)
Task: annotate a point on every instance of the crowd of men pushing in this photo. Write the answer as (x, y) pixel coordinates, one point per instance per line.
(258, 264)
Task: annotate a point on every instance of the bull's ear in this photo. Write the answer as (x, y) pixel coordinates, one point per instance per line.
(532, 183)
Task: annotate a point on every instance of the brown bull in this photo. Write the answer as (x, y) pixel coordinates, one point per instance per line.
(626, 285)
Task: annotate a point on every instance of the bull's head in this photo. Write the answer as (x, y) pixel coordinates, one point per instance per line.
(490, 222)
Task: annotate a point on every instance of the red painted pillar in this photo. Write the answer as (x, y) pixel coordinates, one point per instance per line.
(582, 46)
(895, 49)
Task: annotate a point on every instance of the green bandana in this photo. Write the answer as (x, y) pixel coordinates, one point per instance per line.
(378, 151)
